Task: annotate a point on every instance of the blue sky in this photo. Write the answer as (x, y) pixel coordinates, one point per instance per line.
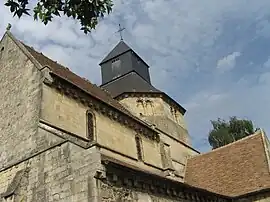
(211, 56)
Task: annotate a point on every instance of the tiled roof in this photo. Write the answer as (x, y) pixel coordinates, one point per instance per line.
(76, 80)
(235, 169)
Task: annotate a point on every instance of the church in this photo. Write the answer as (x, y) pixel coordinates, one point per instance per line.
(64, 139)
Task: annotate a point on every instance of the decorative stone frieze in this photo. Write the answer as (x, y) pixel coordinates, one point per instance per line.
(167, 99)
(118, 175)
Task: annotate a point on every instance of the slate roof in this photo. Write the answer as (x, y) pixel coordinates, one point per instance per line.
(235, 169)
(131, 82)
(119, 49)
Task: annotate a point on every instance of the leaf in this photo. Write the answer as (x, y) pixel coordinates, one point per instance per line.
(88, 13)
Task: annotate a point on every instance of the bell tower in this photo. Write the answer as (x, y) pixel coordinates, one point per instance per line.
(121, 61)
(124, 71)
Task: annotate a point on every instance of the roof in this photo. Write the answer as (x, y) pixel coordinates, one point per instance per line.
(236, 169)
(119, 49)
(131, 82)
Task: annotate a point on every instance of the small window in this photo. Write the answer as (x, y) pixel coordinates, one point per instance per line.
(149, 107)
(116, 67)
(90, 126)
(166, 155)
(115, 60)
(139, 148)
(1, 52)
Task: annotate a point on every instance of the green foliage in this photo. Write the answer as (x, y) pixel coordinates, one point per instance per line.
(225, 132)
(87, 12)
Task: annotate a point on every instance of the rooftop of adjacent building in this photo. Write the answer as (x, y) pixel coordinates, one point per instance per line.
(235, 169)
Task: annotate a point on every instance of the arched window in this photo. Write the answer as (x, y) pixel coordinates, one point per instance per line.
(140, 105)
(1, 52)
(90, 118)
(139, 148)
(149, 107)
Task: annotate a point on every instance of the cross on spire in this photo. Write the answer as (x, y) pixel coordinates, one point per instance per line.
(120, 31)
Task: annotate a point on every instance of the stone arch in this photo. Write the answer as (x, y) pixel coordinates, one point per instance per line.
(140, 106)
(149, 107)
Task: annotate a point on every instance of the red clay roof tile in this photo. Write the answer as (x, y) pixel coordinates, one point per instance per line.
(235, 169)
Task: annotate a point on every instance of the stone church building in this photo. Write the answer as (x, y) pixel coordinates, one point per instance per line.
(64, 139)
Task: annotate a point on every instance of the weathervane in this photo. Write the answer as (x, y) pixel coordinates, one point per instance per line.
(120, 31)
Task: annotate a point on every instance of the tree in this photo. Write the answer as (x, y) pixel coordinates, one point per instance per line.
(87, 12)
(224, 132)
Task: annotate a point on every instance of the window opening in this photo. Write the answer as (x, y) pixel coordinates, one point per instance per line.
(1, 52)
(139, 148)
(115, 60)
(90, 126)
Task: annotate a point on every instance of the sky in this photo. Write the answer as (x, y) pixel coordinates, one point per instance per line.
(211, 56)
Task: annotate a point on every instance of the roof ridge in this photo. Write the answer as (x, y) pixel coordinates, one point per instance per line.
(259, 132)
(54, 61)
(21, 46)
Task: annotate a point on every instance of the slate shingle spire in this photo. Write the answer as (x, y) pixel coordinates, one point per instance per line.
(124, 71)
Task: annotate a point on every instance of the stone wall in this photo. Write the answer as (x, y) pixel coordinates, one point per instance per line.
(111, 193)
(156, 111)
(68, 114)
(64, 173)
(20, 90)
(63, 112)
(178, 153)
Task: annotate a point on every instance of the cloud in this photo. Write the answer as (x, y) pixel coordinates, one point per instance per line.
(187, 43)
(228, 62)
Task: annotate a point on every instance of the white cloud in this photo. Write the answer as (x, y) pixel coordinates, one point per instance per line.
(228, 62)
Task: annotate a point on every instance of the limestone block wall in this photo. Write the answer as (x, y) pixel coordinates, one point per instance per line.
(63, 112)
(20, 89)
(156, 111)
(70, 115)
(121, 139)
(62, 173)
(178, 153)
(172, 128)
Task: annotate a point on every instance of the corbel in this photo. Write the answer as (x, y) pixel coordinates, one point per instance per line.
(101, 174)
(46, 76)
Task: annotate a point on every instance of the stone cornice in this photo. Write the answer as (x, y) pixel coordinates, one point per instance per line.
(123, 176)
(94, 104)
